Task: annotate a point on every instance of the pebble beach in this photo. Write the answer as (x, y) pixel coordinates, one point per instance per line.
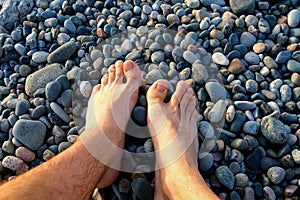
(243, 57)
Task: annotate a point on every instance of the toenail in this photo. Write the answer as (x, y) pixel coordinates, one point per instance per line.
(160, 87)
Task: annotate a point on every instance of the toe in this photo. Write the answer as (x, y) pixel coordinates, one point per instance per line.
(132, 71)
(111, 73)
(180, 90)
(157, 92)
(104, 80)
(185, 100)
(191, 107)
(119, 71)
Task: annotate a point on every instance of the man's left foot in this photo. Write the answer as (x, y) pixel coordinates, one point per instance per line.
(109, 110)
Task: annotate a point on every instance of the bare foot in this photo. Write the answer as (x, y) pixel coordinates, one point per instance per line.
(109, 110)
(173, 127)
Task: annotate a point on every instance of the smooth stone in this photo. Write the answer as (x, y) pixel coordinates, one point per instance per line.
(139, 115)
(236, 66)
(252, 58)
(199, 73)
(276, 174)
(293, 18)
(238, 122)
(217, 113)
(206, 129)
(66, 98)
(215, 91)
(69, 25)
(25, 154)
(225, 177)
(244, 105)
(293, 66)
(192, 3)
(60, 112)
(153, 76)
(220, 59)
(22, 107)
(273, 130)
(62, 53)
(247, 39)
(62, 38)
(52, 90)
(8, 147)
(285, 93)
(269, 193)
(12, 163)
(40, 78)
(241, 180)
(157, 57)
(63, 146)
(51, 22)
(296, 156)
(190, 57)
(40, 56)
(239, 144)
(38, 112)
(206, 161)
(29, 132)
(124, 186)
(251, 86)
(251, 127)
(142, 189)
(209, 2)
(241, 7)
(86, 89)
(283, 56)
(264, 26)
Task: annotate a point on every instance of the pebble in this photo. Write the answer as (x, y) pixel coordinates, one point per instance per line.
(273, 130)
(22, 107)
(8, 147)
(283, 56)
(293, 18)
(241, 7)
(192, 3)
(220, 59)
(124, 186)
(40, 78)
(236, 66)
(33, 139)
(259, 48)
(241, 180)
(215, 91)
(206, 129)
(142, 189)
(296, 156)
(217, 113)
(63, 38)
(247, 39)
(269, 193)
(252, 58)
(225, 177)
(40, 56)
(293, 66)
(25, 154)
(276, 174)
(251, 127)
(12, 163)
(52, 90)
(244, 105)
(206, 161)
(60, 112)
(190, 56)
(199, 73)
(62, 53)
(85, 89)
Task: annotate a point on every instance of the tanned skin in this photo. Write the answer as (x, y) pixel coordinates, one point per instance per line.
(76, 172)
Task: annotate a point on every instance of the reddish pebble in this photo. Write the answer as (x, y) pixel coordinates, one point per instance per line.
(259, 47)
(25, 154)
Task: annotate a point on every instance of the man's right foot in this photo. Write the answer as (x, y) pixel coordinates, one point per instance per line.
(173, 127)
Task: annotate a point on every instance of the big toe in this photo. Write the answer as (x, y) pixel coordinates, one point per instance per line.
(157, 92)
(132, 71)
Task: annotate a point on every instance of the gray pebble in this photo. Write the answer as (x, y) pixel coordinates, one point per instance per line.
(34, 138)
(12, 163)
(273, 130)
(225, 177)
(276, 174)
(60, 112)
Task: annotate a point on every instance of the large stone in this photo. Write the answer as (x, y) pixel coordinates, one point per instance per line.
(62, 53)
(14, 10)
(30, 133)
(40, 78)
(273, 130)
(242, 7)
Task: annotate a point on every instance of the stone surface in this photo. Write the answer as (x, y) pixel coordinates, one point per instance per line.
(62, 53)
(273, 130)
(40, 78)
(29, 132)
(225, 177)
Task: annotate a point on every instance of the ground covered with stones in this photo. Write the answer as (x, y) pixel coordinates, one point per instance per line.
(243, 55)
